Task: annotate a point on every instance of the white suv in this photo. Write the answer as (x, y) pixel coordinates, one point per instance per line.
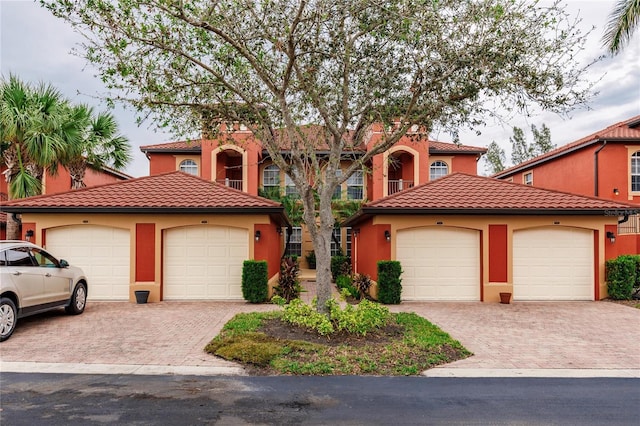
(33, 281)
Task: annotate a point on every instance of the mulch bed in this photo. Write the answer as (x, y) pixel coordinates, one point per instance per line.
(285, 331)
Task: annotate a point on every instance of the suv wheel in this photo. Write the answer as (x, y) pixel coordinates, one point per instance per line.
(78, 300)
(8, 318)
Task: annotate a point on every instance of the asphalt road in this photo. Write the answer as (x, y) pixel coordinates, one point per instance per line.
(56, 399)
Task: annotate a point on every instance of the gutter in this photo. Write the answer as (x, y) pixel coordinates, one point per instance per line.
(595, 166)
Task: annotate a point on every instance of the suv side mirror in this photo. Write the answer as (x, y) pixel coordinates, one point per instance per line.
(64, 263)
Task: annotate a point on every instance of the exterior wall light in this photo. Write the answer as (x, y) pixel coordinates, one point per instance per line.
(616, 191)
(29, 235)
(387, 235)
(611, 236)
(258, 235)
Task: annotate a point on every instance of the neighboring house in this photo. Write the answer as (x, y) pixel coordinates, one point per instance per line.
(605, 164)
(61, 182)
(179, 236)
(239, 161)
(468, 238)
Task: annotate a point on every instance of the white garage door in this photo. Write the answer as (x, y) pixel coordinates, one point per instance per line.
(102, 252)
(204, 262)
(439, 263)
(553, 264)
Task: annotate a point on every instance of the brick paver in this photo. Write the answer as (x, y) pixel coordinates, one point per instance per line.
(587, 335)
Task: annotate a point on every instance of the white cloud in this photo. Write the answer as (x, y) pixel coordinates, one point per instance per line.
(36, 46)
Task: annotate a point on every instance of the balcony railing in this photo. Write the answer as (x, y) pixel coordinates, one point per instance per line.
(632, 226)
(399, 185)
(231, 183)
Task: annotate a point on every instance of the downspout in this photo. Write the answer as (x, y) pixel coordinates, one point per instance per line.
(595, 165)
(624, 219)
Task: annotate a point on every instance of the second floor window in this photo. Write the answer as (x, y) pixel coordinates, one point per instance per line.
(438, 169)
(528, 178)
(355, 186)
(635, 172)
(290, 187)
(271, 177)
(337, 193)
(189, 166)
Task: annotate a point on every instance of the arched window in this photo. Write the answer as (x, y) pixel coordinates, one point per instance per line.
(438, 169)
(271, 178)
(189, 166)
(635, 172)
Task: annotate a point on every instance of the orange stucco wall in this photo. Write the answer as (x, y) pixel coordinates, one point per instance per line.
(369, 246)
(165, 163)
(498, 253)
(145, 246)
(268, 248)
(574, 172)
(465, 164)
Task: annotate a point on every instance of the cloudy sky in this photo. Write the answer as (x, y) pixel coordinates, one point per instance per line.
(36, 46)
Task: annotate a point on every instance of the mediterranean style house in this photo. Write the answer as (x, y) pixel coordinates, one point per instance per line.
(604, 164)
(240, 162)
(183, 232)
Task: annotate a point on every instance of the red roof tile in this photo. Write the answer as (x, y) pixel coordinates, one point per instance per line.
(460, 193)
(175, 191)
(452, 147)
(622, 131)
(194, 145)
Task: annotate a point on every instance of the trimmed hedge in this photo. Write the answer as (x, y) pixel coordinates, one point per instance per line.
(255, 287)
(623, 275)
(389, 281)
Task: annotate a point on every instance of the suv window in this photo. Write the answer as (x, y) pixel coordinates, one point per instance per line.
(44, 259)
(19, 256)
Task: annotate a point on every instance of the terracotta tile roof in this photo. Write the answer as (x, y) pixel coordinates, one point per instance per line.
(461, 193)
(165, 193)
(192, 145)
(310, 131)
(622, 131)
(444, 147)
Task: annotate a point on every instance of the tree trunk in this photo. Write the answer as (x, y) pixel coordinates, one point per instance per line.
(13, 228)
(321, 230)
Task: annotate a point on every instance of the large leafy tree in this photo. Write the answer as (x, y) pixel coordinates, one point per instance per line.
(623, 22)
(40, 131)
(275, 65)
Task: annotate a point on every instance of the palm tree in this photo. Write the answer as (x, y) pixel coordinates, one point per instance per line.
(622, 24)
(35, 130)
(40, 131)
(101, 146)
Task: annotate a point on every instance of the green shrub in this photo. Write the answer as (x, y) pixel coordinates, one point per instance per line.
(389, 281)
(255, 288)
(288, 284)
(345, 282)
(621, 275)
(340, 265)
(359, 319)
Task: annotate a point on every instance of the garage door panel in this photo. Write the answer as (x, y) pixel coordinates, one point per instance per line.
(553, 264)
(102, 252)
(439, 263)
(210, 257)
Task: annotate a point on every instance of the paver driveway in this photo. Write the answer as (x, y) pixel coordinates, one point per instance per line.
(585, 335)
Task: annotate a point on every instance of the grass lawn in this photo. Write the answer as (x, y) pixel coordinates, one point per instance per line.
(266, 345)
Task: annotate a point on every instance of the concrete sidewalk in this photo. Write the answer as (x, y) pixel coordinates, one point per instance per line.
(551, 339)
